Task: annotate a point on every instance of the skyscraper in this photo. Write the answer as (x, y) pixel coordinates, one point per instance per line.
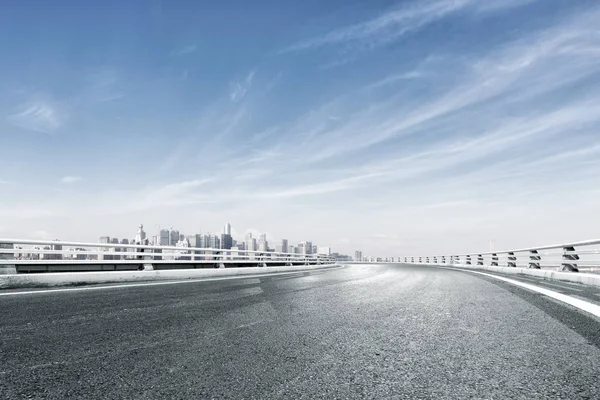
(358, 255)
(173, 237)
(226, 239)
(284, 245)
(163, 237)
(140, 235)
(250, 242)
(263, 245)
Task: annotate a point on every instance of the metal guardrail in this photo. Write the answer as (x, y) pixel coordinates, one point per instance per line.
(23, 255)
(572, 257)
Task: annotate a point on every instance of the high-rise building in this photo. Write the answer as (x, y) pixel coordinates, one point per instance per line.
(214, 242)
(314, 249)
(358, 255)
(140, 235)
(305, 247)
(284, 245)
(173, 237)
(324, 250)
(226, 239)
(250, 242)
(263, 245)
(163, 237)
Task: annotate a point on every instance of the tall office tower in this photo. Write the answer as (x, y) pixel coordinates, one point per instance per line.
(140, 235)
(194, 240)
(173, 237)
(358, 255)
(291, 249)
(234, 242)
(163, 237)
(308, 247)
(249, 241)
(226, 239)
(284, 245)
(263, 245)
(314, 249)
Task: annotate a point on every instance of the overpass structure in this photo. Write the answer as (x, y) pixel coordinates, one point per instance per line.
(424, 328)
(33, 256)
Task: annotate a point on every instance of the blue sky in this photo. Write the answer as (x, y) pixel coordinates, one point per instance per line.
(395, 127)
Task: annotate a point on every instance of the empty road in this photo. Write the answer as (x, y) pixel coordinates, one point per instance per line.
(363, 331)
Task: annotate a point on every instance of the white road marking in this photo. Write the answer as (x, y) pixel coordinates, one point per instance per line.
(580, 304)
(128, 285)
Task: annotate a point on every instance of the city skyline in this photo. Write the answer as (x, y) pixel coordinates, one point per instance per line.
(395, 127)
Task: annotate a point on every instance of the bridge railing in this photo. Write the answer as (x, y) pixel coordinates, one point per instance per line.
(573, 257)
(24, 255)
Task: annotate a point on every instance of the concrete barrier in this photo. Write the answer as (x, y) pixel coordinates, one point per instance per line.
(14, 281)
(547, 274)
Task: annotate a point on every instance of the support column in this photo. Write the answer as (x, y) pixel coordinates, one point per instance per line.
(569, 256)
(534, 259)
(512, 260)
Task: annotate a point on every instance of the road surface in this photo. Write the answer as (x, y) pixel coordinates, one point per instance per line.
(363, 331)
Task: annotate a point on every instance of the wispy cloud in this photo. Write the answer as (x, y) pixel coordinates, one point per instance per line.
(184, 50)
(395, 78)
(39, 115)
(238, 89)
(70, 179)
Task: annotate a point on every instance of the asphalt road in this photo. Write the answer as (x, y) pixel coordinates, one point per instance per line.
(376, 331)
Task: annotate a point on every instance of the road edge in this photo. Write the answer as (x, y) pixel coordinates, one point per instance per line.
(69, 279)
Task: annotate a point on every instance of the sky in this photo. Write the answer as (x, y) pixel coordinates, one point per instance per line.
(391, 127)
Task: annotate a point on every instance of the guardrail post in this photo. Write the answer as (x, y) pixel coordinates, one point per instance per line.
(420, 260)
(569, 255)
(443, 259)
(494, 260)
(479, 259)
(427, 260)
(457, 259)
(512, 260)
(468, 260)
(435, 260)
(412, 260)
(7, 268)
(405, 259)
(534, 259)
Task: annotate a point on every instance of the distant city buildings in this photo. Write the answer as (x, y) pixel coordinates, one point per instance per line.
(183, 246)
(324, 250)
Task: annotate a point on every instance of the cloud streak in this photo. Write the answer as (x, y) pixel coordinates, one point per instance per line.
(39, 115)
